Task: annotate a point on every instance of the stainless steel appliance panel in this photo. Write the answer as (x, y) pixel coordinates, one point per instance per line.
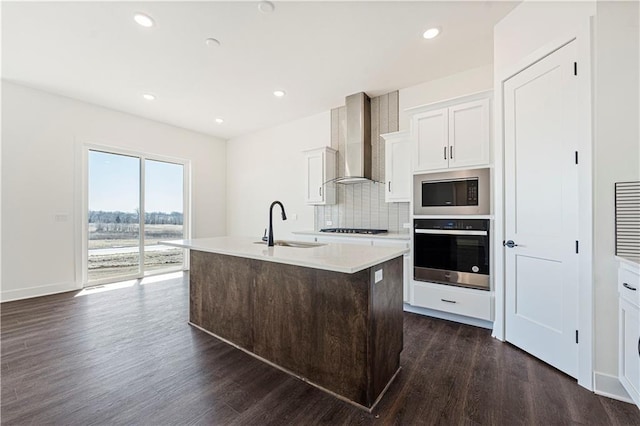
(452, 251)
(452, 192)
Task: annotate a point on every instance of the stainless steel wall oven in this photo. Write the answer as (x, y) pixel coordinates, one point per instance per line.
(452, 251)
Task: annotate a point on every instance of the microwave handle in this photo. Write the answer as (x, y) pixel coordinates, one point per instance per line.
(450, 232)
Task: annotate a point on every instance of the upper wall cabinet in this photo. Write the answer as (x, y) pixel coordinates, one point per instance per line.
(320, 165)
(452, 134)
(397, 167)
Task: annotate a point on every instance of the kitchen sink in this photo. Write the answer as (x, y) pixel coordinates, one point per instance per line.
(297, 244)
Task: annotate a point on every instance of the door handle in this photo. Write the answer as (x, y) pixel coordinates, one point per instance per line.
(626, 285)
(389, 186)
(448, 301)
(320, 191)
(445, 152)
(451, 152)
(509, 244)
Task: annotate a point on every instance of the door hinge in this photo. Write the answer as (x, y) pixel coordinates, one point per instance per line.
(577, 246)
(576, 336)
(576, 157)
(575, 68)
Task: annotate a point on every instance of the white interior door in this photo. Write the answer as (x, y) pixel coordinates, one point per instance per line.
(541, 210)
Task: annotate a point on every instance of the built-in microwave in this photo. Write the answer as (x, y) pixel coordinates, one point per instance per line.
(452, 193)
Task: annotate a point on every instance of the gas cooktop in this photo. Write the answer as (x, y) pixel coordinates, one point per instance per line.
(354, 231)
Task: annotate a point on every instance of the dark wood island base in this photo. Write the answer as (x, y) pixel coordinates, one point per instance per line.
(339, 332)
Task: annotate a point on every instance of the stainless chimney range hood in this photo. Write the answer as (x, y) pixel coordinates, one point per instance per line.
(357, 150)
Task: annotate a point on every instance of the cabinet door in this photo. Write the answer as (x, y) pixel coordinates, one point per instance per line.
(320, 170)
(398, 170)
(629, 362)
(315, 177)
(431, 134)
(469, 134)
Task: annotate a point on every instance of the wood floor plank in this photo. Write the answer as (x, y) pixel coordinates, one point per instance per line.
(128, 356)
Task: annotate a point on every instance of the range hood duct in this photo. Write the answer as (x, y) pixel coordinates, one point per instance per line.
(357, 150)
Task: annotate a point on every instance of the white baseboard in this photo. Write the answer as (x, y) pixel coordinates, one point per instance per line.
(609, 386)
(448, 316)
(44, 290)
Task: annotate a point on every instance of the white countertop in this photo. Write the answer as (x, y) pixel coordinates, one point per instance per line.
(346, 258)
(387, 236)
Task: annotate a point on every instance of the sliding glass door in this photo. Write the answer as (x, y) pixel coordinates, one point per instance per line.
(133, 203)
(163, 215)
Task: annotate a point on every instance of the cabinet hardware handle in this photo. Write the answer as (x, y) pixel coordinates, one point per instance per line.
(638, 346)
(389, 186)
(320, 191)
(445, 152)
(626, 285)
(448, 301)
(509, 244)
(451, 152)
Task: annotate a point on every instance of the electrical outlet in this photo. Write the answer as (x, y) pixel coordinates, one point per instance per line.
(406, 225)
(378, 275)
(329, 223)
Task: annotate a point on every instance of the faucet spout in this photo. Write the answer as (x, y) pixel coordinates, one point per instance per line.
(284, 217)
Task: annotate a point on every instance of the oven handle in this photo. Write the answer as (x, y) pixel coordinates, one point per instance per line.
(449, 232)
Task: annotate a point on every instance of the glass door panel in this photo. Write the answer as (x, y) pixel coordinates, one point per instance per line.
(163, 219)
(113, 217)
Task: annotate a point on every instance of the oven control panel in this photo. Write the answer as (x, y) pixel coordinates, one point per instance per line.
(456, 224)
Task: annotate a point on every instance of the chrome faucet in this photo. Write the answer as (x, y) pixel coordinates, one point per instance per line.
(284, 217)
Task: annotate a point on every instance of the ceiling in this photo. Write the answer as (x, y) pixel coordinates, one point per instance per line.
(318, 52)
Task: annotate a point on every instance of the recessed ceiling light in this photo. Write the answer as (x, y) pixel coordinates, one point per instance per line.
(143, 20)
(431, 33)
(279, 93)
(149, 96)
(266, 7)
(212, 42)
(219, 120)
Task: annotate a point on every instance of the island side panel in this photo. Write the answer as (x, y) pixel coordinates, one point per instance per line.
(314, 323)
(221, 296)
(386, 325)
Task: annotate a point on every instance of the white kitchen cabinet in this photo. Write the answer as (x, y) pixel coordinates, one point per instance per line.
(469, 140)
(397, 167)
(629, 329)
(431, 139)
(320, 165)
(456, 300)
(452, 134)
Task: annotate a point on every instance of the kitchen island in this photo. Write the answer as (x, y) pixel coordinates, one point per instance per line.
(328, 314)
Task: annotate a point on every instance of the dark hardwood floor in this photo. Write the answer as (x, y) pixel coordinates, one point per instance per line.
(128, 356)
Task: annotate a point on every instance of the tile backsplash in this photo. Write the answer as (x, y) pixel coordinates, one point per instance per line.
(362, 205)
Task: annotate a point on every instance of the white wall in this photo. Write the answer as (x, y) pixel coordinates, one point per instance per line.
(519, 38)
(616, 156)
(42, 135)
(530, 32)
(452, 86)
(267, 166)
